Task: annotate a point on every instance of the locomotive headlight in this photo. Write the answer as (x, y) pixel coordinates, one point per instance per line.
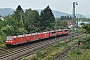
(6, 41)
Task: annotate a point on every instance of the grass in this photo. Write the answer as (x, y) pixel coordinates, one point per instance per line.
(78, 54)
(47, 53)
(2, 45)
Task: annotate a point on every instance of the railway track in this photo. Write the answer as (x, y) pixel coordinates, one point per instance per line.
(28, 50)
(61, 55)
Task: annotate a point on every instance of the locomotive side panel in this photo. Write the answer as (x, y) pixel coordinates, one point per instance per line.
(34, 36)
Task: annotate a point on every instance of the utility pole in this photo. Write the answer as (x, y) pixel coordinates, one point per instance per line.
(73, 10)
(74, 22)
(74, 18)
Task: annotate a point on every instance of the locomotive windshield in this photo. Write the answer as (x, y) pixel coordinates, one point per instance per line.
(53, 32)
(9, 38)
(66, 30)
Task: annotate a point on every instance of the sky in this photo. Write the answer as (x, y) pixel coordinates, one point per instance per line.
(59, 5)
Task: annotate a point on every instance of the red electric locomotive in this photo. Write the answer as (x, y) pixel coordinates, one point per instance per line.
(15, 40)
(20, 39)
(64, 31)
(44, 35)
(59, 32)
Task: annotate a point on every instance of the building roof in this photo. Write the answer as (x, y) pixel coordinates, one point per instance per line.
(69, 23)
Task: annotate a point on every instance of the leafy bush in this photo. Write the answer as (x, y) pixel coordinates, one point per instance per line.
(31, 57)
(2, 37)
(87, 43)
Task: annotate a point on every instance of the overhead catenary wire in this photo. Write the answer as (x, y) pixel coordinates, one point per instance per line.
(64, 6)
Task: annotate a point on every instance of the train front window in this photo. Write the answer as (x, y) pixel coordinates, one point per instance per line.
(53, 32)
(9, 38)
(66, 30)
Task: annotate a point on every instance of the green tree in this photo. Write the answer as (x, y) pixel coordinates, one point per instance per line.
(12, 28)
(8, 30)
(60, 24)
(2, 24)
(66, 17)
(86, 27)
(14, 23)
(2, 37)
(31, 20)
(17, 15)
(47, 19)
(87, 41)
(63, 18)
(21, 31)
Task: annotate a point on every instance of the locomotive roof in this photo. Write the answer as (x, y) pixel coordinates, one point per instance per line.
(52, 31)
(59, 30)
(44, 32)
(33, 33)
(65, 29)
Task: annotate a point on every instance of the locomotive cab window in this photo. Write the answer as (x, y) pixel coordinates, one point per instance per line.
(9, 38)
(66, 30)
(60, 31)
(53, 32)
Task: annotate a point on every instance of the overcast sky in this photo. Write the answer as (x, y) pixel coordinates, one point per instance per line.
(60, 5)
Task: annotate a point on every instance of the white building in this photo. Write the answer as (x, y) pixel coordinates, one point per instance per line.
(1, 18)
(80, 22)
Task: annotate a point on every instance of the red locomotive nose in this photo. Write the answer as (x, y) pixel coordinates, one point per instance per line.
(9, 40)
